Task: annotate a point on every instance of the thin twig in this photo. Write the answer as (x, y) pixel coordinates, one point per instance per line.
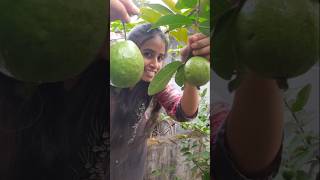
(296, 119)
(195, 162)
(294, 116)
(198, 11)
(124, 30)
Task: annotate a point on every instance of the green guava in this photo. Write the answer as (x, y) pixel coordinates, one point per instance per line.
(126, 64)
(49, 41)
(277, 38)
(197, 71)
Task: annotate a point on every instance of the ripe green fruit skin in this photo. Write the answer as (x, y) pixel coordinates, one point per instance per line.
(277, 38)
(126, 64)
(49, 41)
(197, 71)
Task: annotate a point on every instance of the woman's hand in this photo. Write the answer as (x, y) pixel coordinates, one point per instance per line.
(122, 9)
(198, 45)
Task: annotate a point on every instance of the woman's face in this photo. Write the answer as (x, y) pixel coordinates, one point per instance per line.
(153, 52)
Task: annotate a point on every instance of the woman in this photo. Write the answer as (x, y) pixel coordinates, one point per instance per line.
(134, 113)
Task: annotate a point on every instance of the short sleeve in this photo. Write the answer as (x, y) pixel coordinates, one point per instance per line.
(218, 113)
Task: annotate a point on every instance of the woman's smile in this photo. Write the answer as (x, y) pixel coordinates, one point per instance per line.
(150, 72)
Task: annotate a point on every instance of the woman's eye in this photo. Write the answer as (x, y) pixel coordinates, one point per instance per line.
(147, 54)
(161, 58)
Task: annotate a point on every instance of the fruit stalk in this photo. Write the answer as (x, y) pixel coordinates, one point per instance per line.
(124, 30)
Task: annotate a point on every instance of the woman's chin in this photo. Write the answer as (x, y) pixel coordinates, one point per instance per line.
(147, 78)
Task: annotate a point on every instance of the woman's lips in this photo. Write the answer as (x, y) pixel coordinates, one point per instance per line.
(150, 73)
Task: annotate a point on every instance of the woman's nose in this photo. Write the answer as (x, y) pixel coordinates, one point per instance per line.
(154, 62)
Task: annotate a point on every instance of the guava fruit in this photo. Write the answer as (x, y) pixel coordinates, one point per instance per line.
(49, 41)
(126, 64)
(277, 38)
(197, 71)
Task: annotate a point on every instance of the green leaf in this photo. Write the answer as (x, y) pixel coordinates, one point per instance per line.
(224, 54)
(206, 176)
(188, 153)
(300, 156)
(184, 149)
(161, 79)
(170, 169)
(179, 78)
(220, 7)
(204, 9)
(149, 14)
(288, 174)
(204, 27)
(180, 34)
(205, 155)
(171, 4)
(185, 4)
(160, 8)
(194, 168)
(173, 21)
(302, 175)
(302, 98)
(189, 12)
(156, 173)
(204, 92)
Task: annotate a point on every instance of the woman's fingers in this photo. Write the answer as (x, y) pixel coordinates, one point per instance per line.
(131, 8)
(202, 52)
(118, 11)
(201, 43)
(122, 9)
(196, 37)
(185, 53)
(200, 46)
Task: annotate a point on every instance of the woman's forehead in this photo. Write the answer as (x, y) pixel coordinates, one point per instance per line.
(156, 44)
